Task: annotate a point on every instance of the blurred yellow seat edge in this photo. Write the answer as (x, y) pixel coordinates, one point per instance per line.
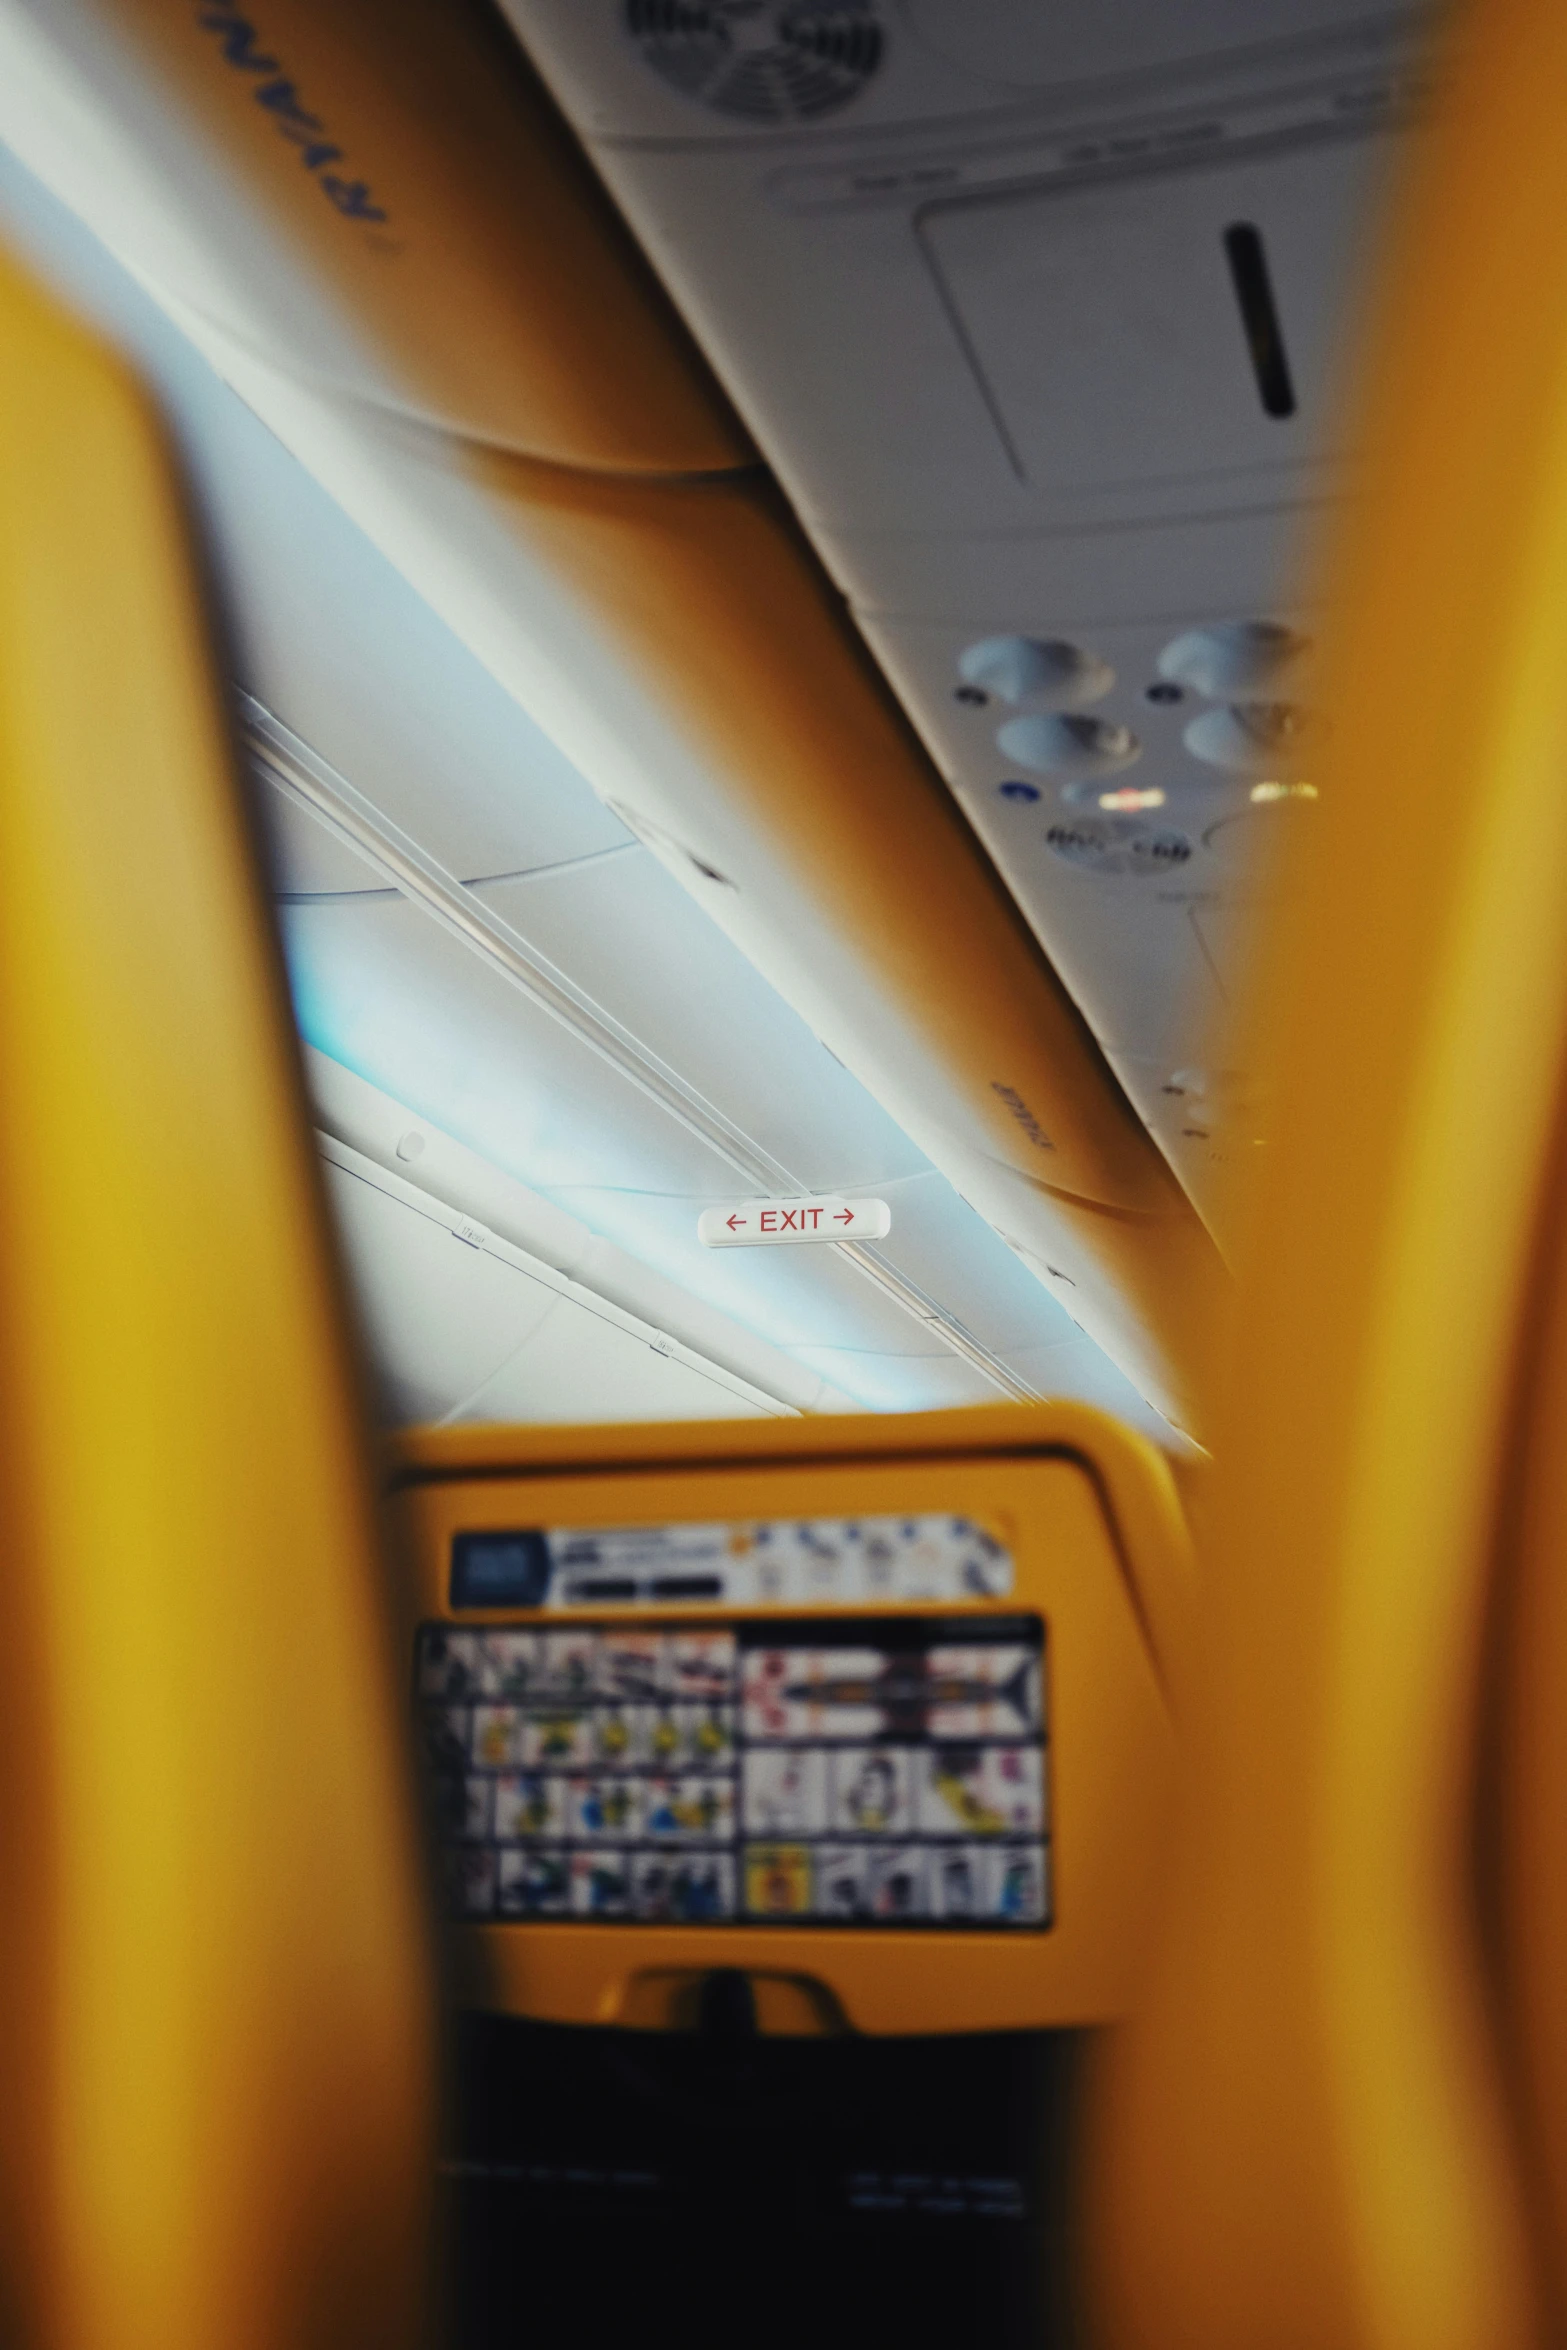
(215, 1993)
(1312, 2134)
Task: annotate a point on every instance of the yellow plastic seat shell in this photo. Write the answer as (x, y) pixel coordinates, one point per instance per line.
(1526, 1823)
(1099, 1550)
(1306, 2141)
(214, 1993)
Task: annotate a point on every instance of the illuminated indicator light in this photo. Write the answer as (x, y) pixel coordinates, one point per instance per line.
(1262, 793)
(1129, 797)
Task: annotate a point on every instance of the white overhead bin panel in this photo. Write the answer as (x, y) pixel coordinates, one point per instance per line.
(1108, 324)
(797, 251)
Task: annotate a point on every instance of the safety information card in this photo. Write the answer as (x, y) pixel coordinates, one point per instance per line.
(883, 1770)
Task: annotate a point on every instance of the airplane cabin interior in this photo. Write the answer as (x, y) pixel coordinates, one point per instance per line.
(784, 1017)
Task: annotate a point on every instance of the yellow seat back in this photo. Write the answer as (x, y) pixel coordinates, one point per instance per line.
(213, 1988)
(1310, 2138)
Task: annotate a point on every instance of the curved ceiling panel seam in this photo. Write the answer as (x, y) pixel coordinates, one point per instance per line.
(473, 881)
(383, 414)
(377, 409)
(550, 870)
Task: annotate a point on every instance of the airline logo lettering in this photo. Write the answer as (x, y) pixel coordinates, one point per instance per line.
(784, 1223)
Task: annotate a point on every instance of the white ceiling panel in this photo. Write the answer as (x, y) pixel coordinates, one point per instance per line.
(369, 1131)
(389, 993)
(1078, 1369)
(940, 1242)
(823, 1300)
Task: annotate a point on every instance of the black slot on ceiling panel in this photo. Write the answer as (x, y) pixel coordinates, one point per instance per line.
(1248, 260)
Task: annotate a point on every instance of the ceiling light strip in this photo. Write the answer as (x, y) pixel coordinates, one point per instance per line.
(295, 770)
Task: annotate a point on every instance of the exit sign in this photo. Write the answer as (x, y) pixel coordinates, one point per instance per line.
(785, 1223)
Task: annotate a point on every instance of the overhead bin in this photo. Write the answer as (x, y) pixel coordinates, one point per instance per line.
(380, 198)
(569, 493)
